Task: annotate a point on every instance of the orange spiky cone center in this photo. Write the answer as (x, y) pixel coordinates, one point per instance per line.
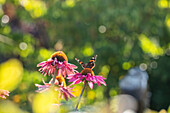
(61, 80)
(87, 70)
(60, 55)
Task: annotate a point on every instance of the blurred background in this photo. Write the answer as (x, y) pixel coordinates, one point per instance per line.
(123, 33)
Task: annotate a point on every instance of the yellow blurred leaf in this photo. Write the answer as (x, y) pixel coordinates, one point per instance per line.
(9, 107)
(36, 8)
(167, 21)
(77, 90)
(44, 102)
(45, 54)
(70, 3)
(2, 1)
(149, 46)
(91, 94)
(168, 109)
(10, 74)
(163, 3)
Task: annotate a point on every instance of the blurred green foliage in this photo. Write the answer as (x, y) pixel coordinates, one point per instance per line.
(123, 33)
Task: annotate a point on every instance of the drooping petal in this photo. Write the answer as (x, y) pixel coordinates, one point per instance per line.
(68, 92)
(100, 79)
(72, 79)
(41, 88)
(46, 71)
(77, 81)
(69, 71)
(98, 83)
(65, 96)
(41, 64)
(72, 66)
(95, 80)
(90, 85)
(70, 76)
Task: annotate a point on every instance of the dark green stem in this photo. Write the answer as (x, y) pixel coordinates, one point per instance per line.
(80, 96)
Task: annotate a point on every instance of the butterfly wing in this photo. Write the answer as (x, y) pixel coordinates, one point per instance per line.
(81, 63)
(91, 63)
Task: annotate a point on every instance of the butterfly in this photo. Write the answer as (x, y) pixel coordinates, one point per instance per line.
(90, 64)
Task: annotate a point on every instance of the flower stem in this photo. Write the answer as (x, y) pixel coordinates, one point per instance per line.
(80, 96)
(54, 77)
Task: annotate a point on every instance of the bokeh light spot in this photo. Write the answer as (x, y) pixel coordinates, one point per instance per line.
(129, 111)
(163, 111)
(126, 65)
(143, 66)
(163, 3)
(113, 92)
(36, 8)
(2, 1)
(91, 94)
(167, 21)
(16, 98)
(102, 29)
(88, 50)
(105, 70)
(168, 51)
(5, 19)
(59, 45)
(6, 30)
(70, 3)
(99, 93)
(153, 65)
(26, 50)
(23, 46)
(45, 54)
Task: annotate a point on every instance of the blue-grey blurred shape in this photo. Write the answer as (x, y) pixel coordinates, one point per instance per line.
(135, 83)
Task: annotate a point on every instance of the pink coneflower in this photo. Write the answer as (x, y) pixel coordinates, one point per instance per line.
(58, 61)
(4, 93)
(59, 85)
(86, 75)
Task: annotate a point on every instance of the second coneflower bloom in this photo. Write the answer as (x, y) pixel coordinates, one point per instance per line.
(4, 93)
(58, 61)
(59, 85)
(87, 75)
